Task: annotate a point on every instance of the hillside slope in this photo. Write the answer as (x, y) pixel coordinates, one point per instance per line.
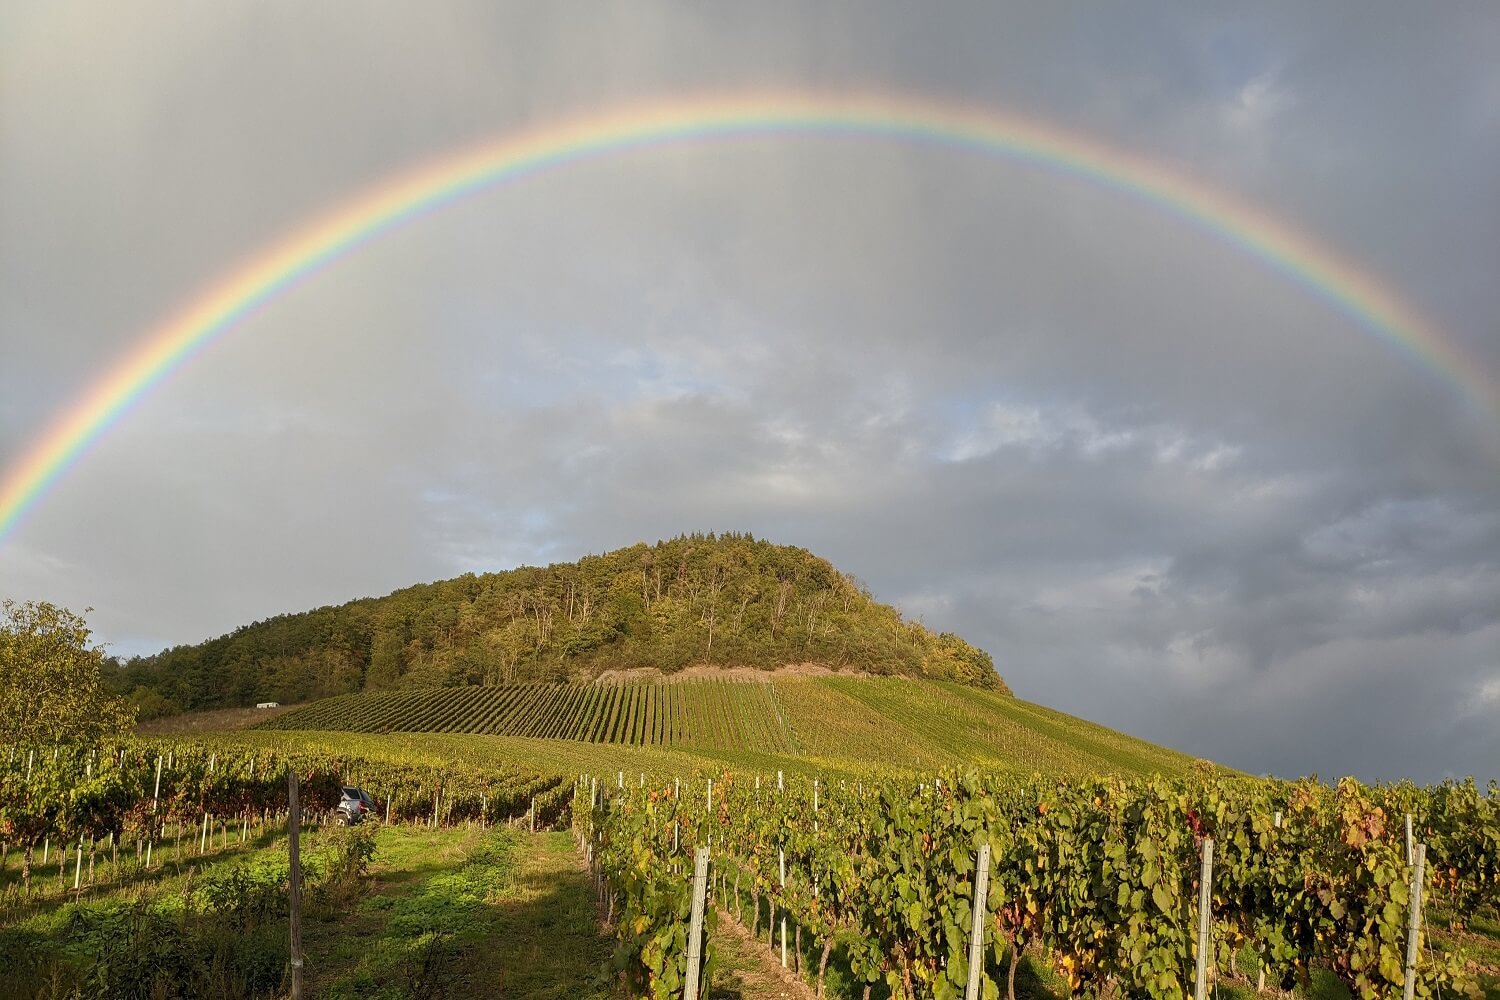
(726, 600)
(845, 722)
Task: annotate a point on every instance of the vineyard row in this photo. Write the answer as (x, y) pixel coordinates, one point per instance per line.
(56, 798)
(712, 714)
(1100, 877)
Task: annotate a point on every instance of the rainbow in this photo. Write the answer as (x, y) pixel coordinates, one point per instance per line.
(301, 253)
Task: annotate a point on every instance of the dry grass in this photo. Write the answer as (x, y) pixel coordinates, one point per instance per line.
(217, 721)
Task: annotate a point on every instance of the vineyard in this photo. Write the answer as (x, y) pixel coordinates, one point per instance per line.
(71, 803)
(890, 723)
(712, 714)
(1100, 877)
(860, 881)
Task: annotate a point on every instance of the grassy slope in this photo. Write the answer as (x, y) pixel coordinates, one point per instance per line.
(443, 913)
(839, 723)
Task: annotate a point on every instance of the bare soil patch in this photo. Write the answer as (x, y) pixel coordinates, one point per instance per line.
(700, 671)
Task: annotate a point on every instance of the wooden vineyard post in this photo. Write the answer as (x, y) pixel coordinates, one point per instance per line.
(1408, 839)
(1205, 902)
(294, 830)
(780, 784)
(976, 935)
(710, 796)
(695, 924)
(532, 813)
(1414, 924)
(156, 794)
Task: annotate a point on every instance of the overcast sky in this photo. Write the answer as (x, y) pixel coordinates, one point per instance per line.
(1164, 487)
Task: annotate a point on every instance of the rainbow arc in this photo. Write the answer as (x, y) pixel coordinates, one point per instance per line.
(343, 230)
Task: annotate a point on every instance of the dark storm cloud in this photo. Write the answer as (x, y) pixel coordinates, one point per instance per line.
(1166, 488)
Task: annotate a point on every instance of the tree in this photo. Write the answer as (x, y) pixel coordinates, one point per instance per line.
(51, 688)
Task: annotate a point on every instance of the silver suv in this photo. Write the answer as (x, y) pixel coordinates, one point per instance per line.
(355, 805)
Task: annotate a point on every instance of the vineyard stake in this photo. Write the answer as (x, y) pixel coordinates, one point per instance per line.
(156, 795)
(976, 935)
(1414, 925)
(294, 829)
(710, 795)
(1205, 902)
(620, 781)
(1408, 839)
(780, 785)
(78, 867)
(695, 925)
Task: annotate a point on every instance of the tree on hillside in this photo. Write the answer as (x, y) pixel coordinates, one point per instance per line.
(51, 689)
(726, 600)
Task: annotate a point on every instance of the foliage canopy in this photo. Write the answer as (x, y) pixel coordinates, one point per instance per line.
(51, 687)
(729, 600)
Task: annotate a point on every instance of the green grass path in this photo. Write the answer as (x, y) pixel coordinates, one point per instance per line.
(465, 913)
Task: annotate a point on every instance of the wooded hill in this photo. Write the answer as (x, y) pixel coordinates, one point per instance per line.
(725, 600)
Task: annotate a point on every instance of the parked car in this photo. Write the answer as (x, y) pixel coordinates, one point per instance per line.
(354, 806)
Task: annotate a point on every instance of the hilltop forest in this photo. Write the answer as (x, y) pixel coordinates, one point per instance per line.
(728, 600)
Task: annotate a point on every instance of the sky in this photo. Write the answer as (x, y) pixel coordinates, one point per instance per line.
(1167, 488)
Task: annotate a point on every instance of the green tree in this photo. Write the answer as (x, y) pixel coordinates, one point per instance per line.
(51, 688)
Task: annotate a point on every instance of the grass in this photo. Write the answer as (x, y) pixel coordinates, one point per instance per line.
(466, 911)
(214, 721)
(1479, 937)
